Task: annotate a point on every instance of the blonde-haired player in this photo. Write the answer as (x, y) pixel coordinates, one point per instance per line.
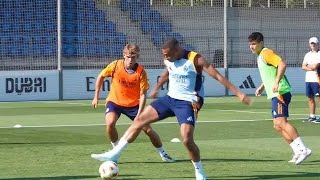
(127, 96)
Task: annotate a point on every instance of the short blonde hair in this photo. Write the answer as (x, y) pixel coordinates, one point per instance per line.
(131, 49)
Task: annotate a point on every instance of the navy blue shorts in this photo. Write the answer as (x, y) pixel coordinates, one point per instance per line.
(280, 105)
(312, 89)
(183, 110)
(130, 112)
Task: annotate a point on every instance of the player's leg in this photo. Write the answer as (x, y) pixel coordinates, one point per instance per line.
(280, 109)
(312, 108)
(111, 130)
(156, 142)
(148, 115)
(317, 95)
(186, 118)
(112, 114)
(187, 131)
(288, 139)
(311, 89)
(286, 130)
(153, 136)
(111, 117)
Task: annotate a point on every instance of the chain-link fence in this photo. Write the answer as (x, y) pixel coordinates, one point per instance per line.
(93, 33)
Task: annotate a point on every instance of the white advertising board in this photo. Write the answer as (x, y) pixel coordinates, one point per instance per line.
(248, 79)
(29, 85)
(80, 84)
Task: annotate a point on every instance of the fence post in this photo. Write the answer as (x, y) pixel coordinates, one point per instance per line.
(225, 40)
(59, 50)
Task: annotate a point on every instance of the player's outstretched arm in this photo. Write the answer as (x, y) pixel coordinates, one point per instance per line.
(202, 63)
(98, 85)
(164, 77)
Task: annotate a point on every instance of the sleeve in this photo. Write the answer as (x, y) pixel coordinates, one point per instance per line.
(144, 85)
(107, 72)
(271, 58)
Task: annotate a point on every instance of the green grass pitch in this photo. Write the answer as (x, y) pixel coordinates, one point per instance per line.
(236, 142)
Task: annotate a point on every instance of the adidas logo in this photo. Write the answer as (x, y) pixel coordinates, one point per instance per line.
(190, 118)
(248, 83)
(274, 113)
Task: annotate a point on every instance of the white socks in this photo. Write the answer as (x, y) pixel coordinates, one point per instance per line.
(294, 147)
(161, 150)
(114, 143)
(299, 144)
(197, 165)
(122, 144)
(312, 115)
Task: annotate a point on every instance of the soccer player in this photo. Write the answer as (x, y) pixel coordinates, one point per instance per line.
(127, 95)
(311, 64)
(272, 69)
(184, 99)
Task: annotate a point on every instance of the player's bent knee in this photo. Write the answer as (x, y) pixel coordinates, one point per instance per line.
(188, 142)
(277, 128)
(111, 123)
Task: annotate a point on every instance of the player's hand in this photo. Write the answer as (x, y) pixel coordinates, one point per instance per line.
(275, 87)
(259, 92)
(95, 103)
(245, 99)
(154, 94)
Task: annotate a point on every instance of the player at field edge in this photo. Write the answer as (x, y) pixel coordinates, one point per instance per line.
(311, 64)
(184, 100)
(129, 85)
(272, 71)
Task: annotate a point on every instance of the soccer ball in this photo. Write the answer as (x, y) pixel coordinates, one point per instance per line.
(108, 170)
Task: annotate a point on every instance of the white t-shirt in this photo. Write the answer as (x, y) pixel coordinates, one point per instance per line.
(311, 58)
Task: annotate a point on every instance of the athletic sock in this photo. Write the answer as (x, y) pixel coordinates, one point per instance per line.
(121, 146)
(300, 145)
(294, 147)
(197, 165)
(114, 143)
(161, 150)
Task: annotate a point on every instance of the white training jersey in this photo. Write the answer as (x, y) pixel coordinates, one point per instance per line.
(184, 81)
(311, 58)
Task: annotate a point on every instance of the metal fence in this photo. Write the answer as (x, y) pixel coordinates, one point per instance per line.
(88, 34)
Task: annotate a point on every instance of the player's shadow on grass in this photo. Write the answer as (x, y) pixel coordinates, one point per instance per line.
(312, 163)
(123, 176)
(213, 160)
(234, 160)
(296, 175)
(18, 143)
(53, 177)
